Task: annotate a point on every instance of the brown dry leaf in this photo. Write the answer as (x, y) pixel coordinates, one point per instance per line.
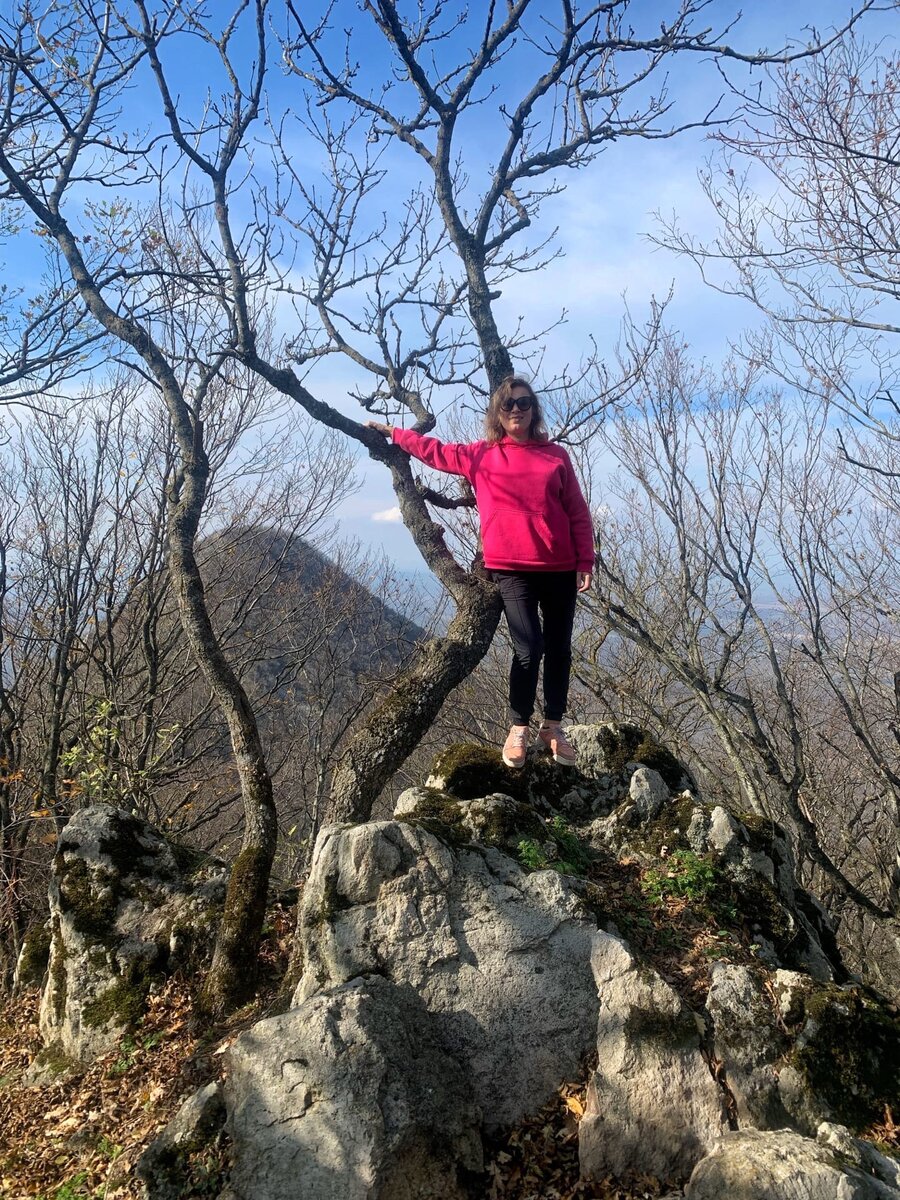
(575, 1106)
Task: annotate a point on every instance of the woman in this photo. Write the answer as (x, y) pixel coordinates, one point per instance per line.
(537, 540)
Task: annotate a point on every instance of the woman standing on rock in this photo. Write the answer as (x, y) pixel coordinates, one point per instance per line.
(537, 540)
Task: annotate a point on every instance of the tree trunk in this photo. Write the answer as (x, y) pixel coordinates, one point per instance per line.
(394, 729)
(232, 975)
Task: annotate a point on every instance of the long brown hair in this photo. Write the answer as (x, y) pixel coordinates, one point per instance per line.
(494, 431)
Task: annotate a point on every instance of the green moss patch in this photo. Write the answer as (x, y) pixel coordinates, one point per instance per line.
(59, 979)
(627, 743)
(35, 955)
(469, 772)
(850, 1053)
(126, 849)
(123, 1003)
(54, 1060)
(90, 898)
(439, 813)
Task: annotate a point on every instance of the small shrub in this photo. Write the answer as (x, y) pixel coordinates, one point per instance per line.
(563, 850)
(685, 875)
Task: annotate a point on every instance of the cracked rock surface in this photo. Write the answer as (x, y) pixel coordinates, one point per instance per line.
(350, 1097)
(652, 1102)
(500, 958)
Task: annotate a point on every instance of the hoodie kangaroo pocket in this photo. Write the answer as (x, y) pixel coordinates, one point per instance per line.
(515, 535)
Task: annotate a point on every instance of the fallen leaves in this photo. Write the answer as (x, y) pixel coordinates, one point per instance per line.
(538, 1158)
(88, 1132)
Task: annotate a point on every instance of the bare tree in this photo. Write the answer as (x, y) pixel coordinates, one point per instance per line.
(62, 74)
(742, 559)
(189, 307)
(412, 302)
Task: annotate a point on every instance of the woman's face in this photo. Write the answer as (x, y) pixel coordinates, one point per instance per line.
(517, 422)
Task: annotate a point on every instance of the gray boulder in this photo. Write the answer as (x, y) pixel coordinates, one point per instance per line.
(753, 1165)
(126, 908)
(796, 1052)
(859, 1153)
(647, 792)
(653, 1106)
(162, 1170)
(492, 820)
(351, 1096)
(750, 1040)
(501, 958)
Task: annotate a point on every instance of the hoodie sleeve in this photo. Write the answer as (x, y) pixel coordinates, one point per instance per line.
(454, 457)
(580, 520)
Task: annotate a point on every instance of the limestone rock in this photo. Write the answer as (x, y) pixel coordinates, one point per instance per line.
(161, 1168)
(500, 957)
(618, 749)
(796, 1052)
(351, 1096)
(648, 792)
(749, 1043)
(859, 1153)
(652, 1104)
(492, 820)
(844, 1059)
(752, 1165)
(471, 772)
(123, 912)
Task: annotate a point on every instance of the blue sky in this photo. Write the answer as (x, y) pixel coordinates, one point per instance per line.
(603, 214)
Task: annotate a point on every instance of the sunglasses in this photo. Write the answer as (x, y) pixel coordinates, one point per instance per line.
(522, 403)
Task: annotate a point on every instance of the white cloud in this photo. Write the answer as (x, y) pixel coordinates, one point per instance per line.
(388, 514)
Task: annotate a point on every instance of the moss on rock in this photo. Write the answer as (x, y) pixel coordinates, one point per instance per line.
(668, 829)
(124, 1002)
(627, 743)
(507, 823)
(89, 898)
(849, 1053)
(52, 1060)
(440, 814)
(59, 979)
(469, 771)
(34, 957)
(127, 850)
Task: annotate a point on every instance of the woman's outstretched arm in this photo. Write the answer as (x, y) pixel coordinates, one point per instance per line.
(453, 457)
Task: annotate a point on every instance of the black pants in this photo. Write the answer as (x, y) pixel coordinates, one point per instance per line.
(540, 612)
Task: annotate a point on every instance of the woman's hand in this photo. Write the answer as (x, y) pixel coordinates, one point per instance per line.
(379, 427)
(584, 581)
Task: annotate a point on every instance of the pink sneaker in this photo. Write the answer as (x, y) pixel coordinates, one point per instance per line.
(551, 735)
(515, 746)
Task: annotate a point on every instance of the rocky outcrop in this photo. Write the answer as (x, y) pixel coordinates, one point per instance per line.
(351, 1096)
(163, 1170)
(789, 927)
(501, 958)
(495, 940)
(126, 908)
(797, 1052)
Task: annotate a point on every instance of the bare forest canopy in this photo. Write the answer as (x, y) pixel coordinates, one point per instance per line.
(233, 235)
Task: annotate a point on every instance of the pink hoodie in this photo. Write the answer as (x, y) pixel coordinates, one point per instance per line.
(533, 515)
